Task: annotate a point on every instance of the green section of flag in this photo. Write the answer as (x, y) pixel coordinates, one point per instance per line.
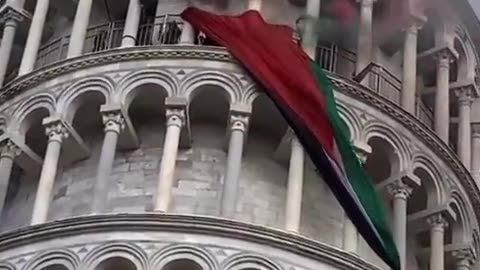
(356, 175)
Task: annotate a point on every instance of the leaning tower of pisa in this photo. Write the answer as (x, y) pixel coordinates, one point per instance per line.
(128, 143)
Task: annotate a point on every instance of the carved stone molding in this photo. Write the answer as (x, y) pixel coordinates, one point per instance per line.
(113, 121)
(56, 131)
(9, 149)
(206, 226)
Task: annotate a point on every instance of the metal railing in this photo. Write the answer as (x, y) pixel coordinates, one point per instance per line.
(380, 79)
(161, 30)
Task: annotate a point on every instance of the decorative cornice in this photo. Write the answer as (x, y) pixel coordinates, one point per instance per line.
(210, 226)
(359, 92)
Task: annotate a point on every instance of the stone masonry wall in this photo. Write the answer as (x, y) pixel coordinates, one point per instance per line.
(198, 184)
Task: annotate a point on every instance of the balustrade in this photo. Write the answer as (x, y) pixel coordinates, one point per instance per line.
(380, 79)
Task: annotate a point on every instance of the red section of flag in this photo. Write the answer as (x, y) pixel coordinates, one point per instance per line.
(343, 10)
(277, 61)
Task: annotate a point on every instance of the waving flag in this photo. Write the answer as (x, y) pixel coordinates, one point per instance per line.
(304, 96)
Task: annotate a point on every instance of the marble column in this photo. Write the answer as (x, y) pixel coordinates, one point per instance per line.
(475, 164)
(442, 98)
(437, 225)
(309, 38)
(34, 37)
(464, 140)
(175, 122)
(79, 29)
(364, 42)
(255, 5)
(7, 156)
(293, 209)
(188, 34)
(56, 133)
(400, 193)
(409, 75)
(10, 22)
(238, 128)
(129, 38)
(464, 259)
(113, 122)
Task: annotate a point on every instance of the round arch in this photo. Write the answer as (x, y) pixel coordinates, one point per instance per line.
(431, 179)
(184, 252)
(128, 251)
(74, 95)
(249, 96)
(401, 153)
(6, 266)
(20, 117)
(249, 261)
(65, 258)
(127, 88)
(193, 83)
(352, 121)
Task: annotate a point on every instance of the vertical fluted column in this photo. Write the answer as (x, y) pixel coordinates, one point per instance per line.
(8, 153)
(437, 225)
(364, 42)
(56, 133)
(129, 38)
(475, 164)
(114, 123)
(10, 22)
(238, 128)
(293, 208)
(309, 38)
(442, 97)
(34, 37)
(409, 75)
(400, 193)
(79, 30)
(175, 122)
(464, 143)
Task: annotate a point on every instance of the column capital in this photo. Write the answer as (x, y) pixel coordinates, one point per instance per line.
(362, 151)
(9, 149)
(55, 130)
(444, 57)
(239, 121)
(464, 257)
(476, 130)
(175, 117)
(437, 222)
(11, 17)
(113, 121)
(464, 95)
(398, 189)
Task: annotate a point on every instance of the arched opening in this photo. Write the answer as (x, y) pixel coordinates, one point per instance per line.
(267, 127)
(34, 131)
(262, 167)
(85, 115)
(182, 264)
(418, 200)
(379, 164)
(146, 108)
(116, 263)
(55, 267)
(200, 169)
(209, 110)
